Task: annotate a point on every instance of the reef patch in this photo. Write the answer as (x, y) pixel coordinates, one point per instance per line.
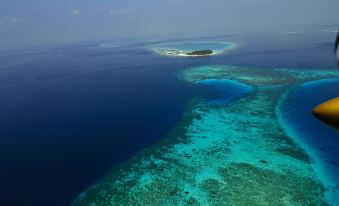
(222, 154)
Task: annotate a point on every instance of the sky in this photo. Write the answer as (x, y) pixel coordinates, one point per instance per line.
(42, 22)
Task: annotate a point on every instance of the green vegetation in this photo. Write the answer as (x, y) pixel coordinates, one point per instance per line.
(201, 52)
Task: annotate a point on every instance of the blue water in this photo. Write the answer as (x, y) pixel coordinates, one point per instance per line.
(319, 136)
(70, 113)
(194, 46)
(227, 90)
(67, 115)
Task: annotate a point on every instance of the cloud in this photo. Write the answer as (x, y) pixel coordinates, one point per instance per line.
(75, 12)
(128, 13)
(12, 19)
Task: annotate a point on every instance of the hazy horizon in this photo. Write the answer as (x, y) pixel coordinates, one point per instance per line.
(55, 22)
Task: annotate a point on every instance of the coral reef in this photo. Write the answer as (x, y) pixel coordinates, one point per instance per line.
(232, 154)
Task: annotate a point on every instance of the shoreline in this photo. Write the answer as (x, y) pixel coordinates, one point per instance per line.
(166, 50)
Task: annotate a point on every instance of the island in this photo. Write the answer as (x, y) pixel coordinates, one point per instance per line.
(178, 52)
(193, 49)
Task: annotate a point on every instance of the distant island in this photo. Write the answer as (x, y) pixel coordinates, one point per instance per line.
(201, 52)
(178, 52)
(193, 49)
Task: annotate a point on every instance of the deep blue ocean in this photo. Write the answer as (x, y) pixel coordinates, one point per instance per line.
(70, 113)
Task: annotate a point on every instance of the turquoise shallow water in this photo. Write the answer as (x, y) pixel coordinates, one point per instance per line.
(237, 153)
